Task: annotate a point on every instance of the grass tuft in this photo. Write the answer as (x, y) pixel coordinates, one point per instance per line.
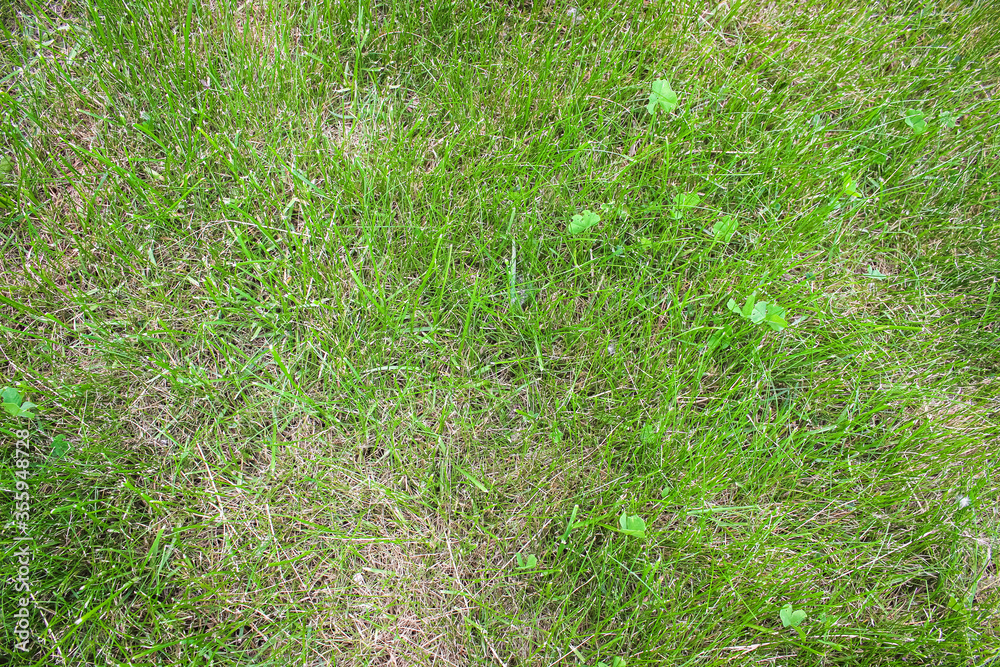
(327, 372)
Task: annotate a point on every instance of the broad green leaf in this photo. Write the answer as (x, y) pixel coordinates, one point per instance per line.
(10, 395)
(613, 209)
(662, 96)
(632, 525)
(775, 317)
(732, 305)
(776, 322)
(691, 199)
(583, 221)
(686, 200)
(875, 273)
(759, 312)
(526, 562)
(682, 202)
(13, 409)
(60, 445)
(749, 306)
(791, 618)
(724, 229)
(850, 188)
(915, 119)
(949, 120)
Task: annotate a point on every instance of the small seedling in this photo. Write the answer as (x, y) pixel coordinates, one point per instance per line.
(875, 273)
(528, 562)
(963, 604)
(14, 405)
(682, 202)
(948, 119)
(661, 95)
(916, 120)
(760, 311)
(848, 193)
(581, 222)
(632, 525)
(615, 662)
(793, 618)
(849, 188)
(60, 445)
(724, 229)
(615, 210)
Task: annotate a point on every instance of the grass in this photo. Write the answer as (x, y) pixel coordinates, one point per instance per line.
(293, 279)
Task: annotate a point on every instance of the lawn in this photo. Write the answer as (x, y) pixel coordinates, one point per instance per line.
(500, 333)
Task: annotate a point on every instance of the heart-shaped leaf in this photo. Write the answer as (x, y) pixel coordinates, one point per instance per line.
(15, 405)
(915, 119)
(661, 95)
(613, 209)
(60, 445)
(10, 395)
(687, 199)
(732, 305)
(526, 562)
(581, 222)
(632, 525)
(791, 618)
(759, 312)
(682, 202)
(785, 614)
